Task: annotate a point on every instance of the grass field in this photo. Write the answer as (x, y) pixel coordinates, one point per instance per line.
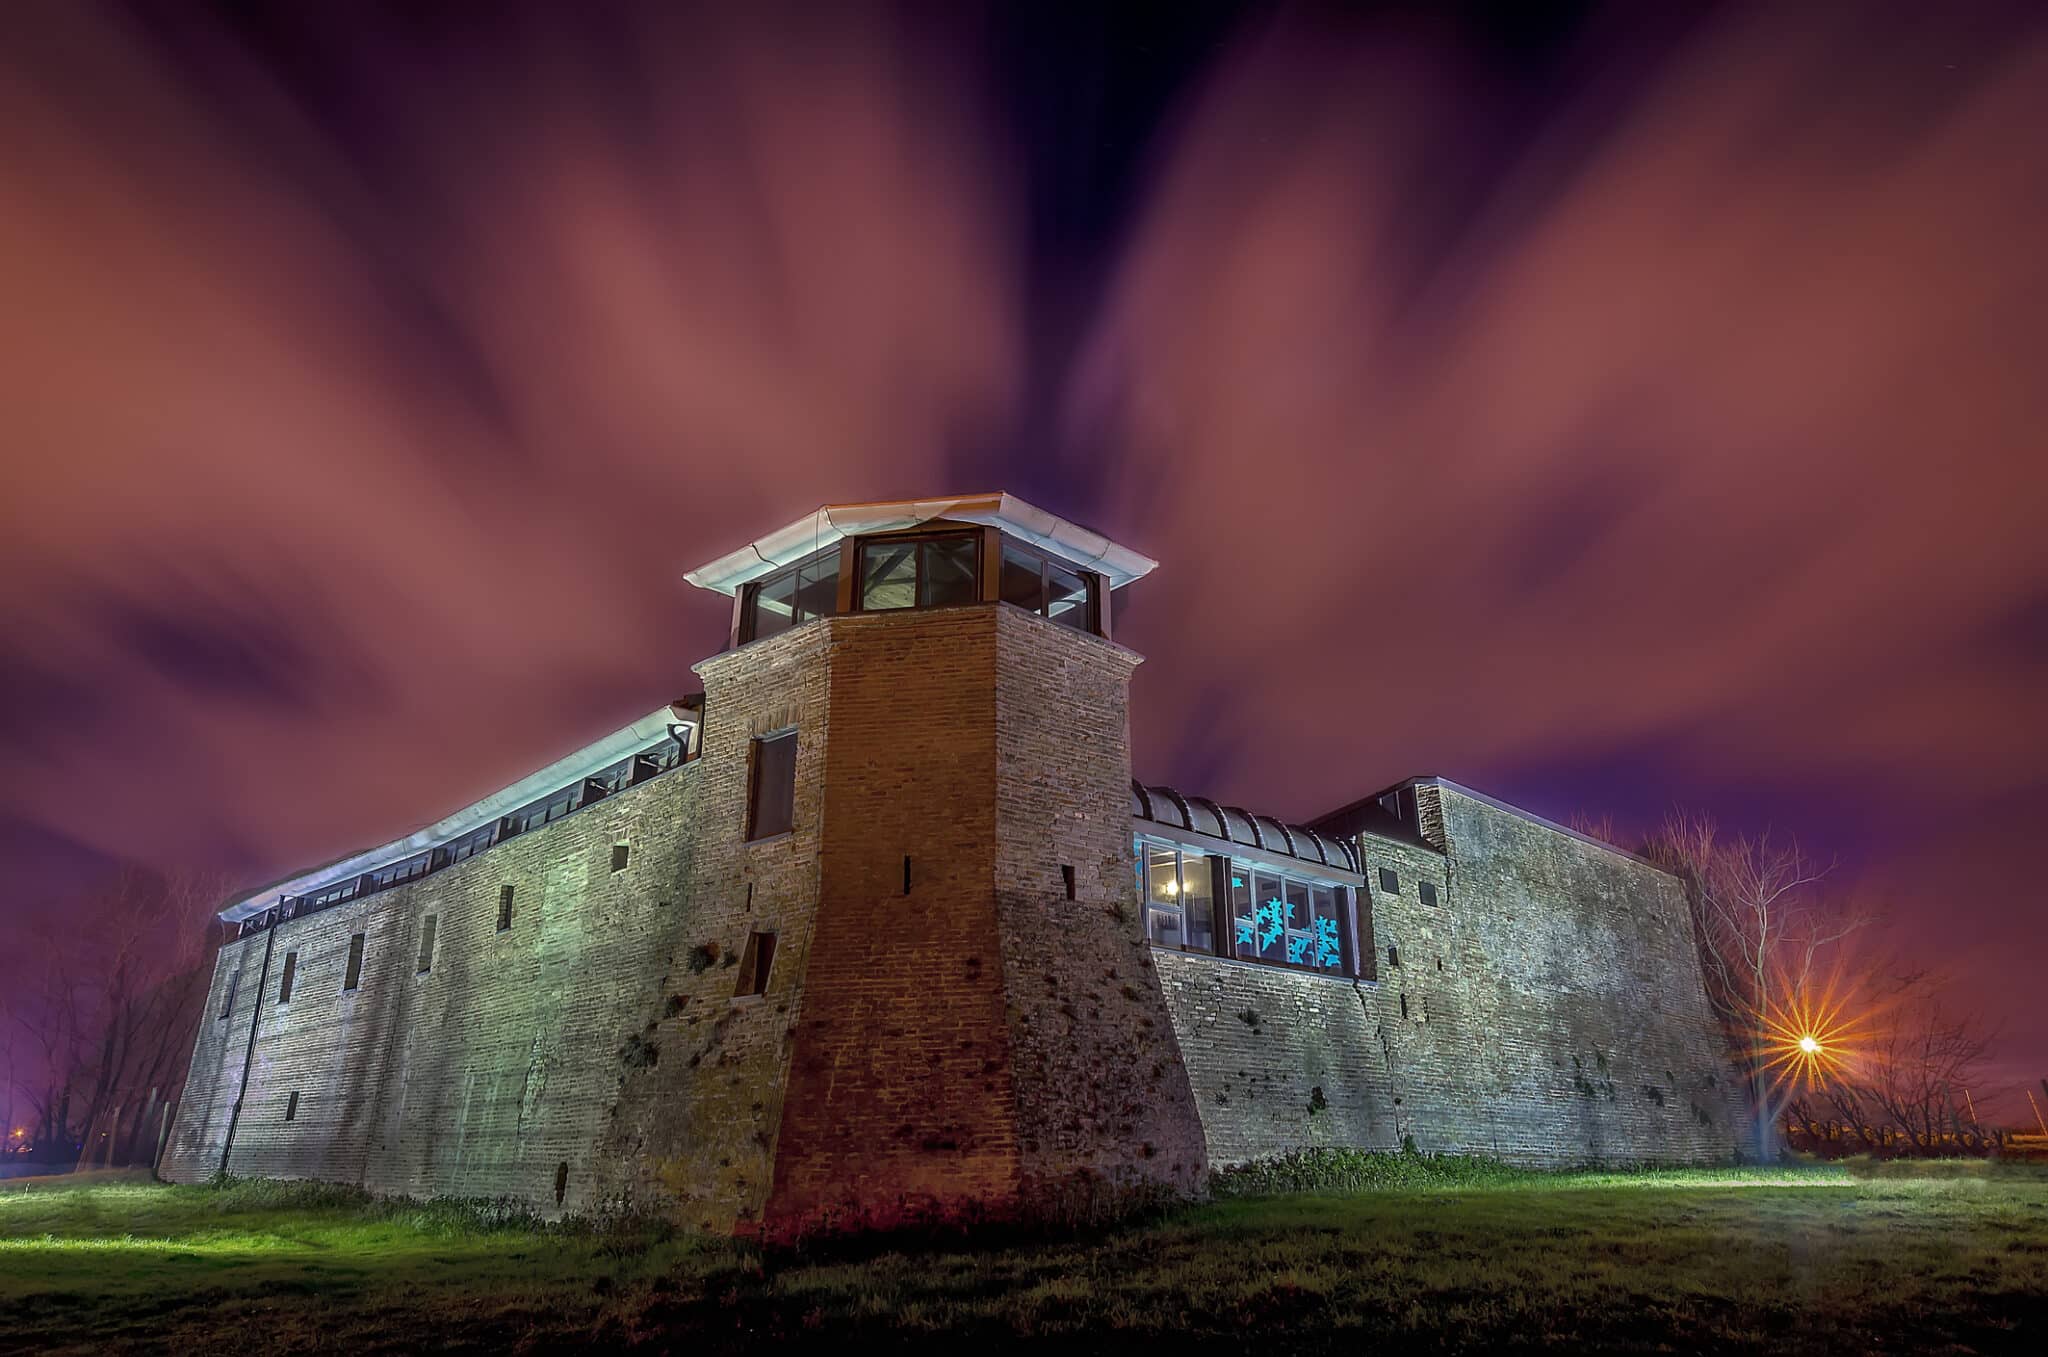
(1939, 1258)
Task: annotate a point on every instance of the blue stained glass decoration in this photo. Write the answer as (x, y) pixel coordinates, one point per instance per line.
(1237, 883)
(1272, 922)
(1296, 946)
(1329, 954)
(1245, 929)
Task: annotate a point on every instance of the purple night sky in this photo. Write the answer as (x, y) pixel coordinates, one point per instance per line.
(1605, 416)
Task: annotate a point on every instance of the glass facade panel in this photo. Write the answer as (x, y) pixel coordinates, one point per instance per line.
(1326, 941)
(817, 586)
(774, 609)
(948, 572)
(1066, 598)
(1022, 582)
(791, 595)
(1266, 929)
(1300, 923)
(1197, 902)
(1245, 943)
(888, 575)
(1163, 914)
(1276, 918)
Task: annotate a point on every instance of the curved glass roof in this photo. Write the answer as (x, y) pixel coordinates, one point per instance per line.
(1162, 805)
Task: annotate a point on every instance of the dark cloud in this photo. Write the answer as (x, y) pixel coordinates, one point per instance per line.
(1612, 411)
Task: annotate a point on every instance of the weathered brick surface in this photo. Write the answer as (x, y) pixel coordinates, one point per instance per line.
(1547, 1009)
(482, 1076)
(695, 1131)
(1102, 1096)
(976, 1042)
(900, 1102)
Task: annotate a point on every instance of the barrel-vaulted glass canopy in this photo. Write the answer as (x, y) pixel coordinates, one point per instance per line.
(922, 554)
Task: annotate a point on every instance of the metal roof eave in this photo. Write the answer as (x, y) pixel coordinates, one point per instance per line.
(1071, 542)
(591, 758)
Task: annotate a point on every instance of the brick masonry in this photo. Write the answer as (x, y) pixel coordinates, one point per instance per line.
(976, 1043)
(1546, 1010)
(483, 1075)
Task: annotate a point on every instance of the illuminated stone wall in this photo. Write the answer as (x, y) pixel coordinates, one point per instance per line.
(974, 1041)
(1547, 1010)
(696, 1123)
(1102, 1096)
(486, 1074)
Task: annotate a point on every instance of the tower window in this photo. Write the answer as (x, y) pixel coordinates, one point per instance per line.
(1389, 881)
(1067, 878)
(228, 1004)
(427, 943)
(353, 978)
(1049, 588)
(291, 1107)
(504, 908)
(620, 853)
(1427, 890)
(920, 572)
(771, 800)
(755, 963)
(1394, 957)
(791, 596)
(284, 984)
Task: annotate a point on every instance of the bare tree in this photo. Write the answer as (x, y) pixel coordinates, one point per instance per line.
(1763, 927)
(111, 1012)
(1921, 1063)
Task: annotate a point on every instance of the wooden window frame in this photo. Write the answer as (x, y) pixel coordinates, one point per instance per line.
(992, 589)
(915, 540)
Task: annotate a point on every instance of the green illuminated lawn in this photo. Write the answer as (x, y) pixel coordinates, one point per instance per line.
(1950, 1258)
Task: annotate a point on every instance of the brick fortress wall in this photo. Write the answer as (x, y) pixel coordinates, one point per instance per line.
(972, 1042)
(1547, 1009)
(483, 1076)
(977, 1042)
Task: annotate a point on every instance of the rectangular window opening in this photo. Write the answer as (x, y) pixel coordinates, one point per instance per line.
(755, 963)
(291, 1107)
(1067, 878)
(620, 853)
(1427, 890)
(790, 596)
(504, 908)
(353, 979)
(228, 1006)
(284, 983)
(1390, 882)
(1180, 910)
(906, 873)
(926, 572)
(771, 801)
(427, 943)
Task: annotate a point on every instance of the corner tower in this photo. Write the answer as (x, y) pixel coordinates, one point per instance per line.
(917, 776)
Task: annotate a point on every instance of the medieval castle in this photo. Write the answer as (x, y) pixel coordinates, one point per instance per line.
(882, 926)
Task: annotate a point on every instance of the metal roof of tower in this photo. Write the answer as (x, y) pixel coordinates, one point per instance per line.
(1069, 541)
